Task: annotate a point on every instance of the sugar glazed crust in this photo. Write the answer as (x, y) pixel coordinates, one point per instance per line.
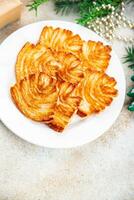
(61, 76)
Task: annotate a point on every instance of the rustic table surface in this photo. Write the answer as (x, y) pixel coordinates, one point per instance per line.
(101, 170)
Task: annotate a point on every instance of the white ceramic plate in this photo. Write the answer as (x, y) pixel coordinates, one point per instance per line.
(79, 131)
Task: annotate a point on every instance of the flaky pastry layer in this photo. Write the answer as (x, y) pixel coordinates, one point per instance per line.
(97, 91)
(60, 76)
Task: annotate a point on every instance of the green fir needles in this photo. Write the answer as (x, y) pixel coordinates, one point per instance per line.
(129, 58)
(35, 4)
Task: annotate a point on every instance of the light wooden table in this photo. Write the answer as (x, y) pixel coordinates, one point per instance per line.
(101, 170)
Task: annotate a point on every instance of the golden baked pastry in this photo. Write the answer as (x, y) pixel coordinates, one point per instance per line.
(60, 76)
(72, 69)
(97, 91)
(95, 55)
(58, 39)
(26, 57)
(23, 54)
(35, 58)
(66, 106)
(36, 96)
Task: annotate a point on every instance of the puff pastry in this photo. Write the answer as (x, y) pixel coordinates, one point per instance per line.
(60, 76)
(36, 96)
(35, 58)
(95, 55)
(71, 69)
(58, 39)
(66, 106)
(97, 91)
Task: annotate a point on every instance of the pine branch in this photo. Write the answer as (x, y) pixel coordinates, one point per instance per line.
(66, 6)
(92, 15)
(35, 4)
(132, 78)
(131, 106)
(129, 58)
(86, 8)
(89, 11)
